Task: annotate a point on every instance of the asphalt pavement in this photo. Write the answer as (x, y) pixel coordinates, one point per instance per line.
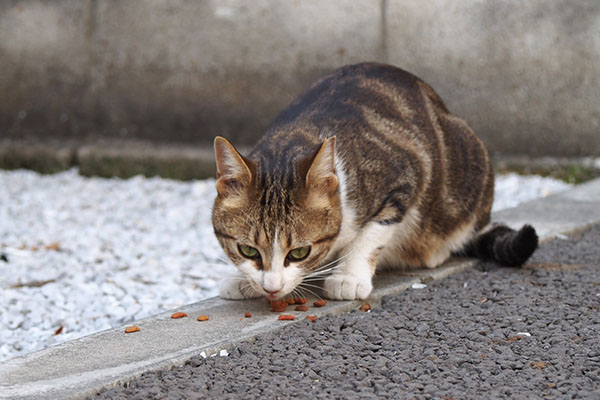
(490, 332)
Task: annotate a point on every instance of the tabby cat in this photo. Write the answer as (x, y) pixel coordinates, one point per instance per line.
(366, 170)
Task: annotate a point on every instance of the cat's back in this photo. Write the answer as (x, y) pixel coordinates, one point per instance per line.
(348, 97)
(395, 137)
(366, 106)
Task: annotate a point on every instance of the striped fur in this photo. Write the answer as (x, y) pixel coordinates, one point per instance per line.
(368, 148)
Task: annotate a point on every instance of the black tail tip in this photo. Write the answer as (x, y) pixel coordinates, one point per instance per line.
(525, 243)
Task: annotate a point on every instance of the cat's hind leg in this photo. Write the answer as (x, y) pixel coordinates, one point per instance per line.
(237, 287)
(353, 278)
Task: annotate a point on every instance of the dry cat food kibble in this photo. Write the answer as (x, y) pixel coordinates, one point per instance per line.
(131, 329)
(278, 306)
(179, 315)
(286, 317)
(247, 315)
(312, 318)
(301, 308)
(365, 307)
(297, 300)
(320, 303)
(203, 318)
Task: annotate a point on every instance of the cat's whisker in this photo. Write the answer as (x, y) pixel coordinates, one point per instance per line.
(247, 289)
(301, 292)
(328, 267)
(322, 272)
(309, 285)
(310, 291)
(236, 278)
(348, 254)
(296, 293)
(224, 259)
(315, 279)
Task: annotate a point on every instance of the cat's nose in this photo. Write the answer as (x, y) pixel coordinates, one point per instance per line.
(271, 292)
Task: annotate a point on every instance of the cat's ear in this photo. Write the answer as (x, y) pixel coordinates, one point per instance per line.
(233, 172)
(321, 179)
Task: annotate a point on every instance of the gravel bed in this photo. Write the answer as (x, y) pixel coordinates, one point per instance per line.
(530, 333)
(79, 255)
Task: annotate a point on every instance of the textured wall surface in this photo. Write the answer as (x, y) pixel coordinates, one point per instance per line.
(525, 75)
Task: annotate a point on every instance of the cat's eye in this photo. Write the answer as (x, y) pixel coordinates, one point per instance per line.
(299, 254)
(248, 252)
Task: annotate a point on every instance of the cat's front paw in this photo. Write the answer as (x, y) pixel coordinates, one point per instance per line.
(237, 289)
(347, 287)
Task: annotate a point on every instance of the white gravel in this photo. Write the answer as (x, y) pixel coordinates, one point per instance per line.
(513, 189)
(88, 254)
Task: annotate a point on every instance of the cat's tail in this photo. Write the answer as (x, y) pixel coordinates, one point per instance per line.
(504, 245)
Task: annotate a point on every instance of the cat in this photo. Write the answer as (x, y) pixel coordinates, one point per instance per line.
(366, 170)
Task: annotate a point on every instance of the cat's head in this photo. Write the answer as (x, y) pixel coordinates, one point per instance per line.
(276, 221)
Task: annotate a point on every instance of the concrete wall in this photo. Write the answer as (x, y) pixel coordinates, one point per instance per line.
(526, 75)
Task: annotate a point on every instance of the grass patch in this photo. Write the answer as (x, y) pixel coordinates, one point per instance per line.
(570, 173)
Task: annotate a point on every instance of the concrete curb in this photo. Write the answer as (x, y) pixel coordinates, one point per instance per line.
(80, 367)
(126, 158)
(109, 158)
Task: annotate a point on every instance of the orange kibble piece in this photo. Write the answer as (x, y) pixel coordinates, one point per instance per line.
(131, 329)
(247, 315)
(312, 318)
(179, 315)
(203, 318)
(286, 317)
(296, 300)
(301, 308)
(278, 306)
(320, 303)
(365, 307)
